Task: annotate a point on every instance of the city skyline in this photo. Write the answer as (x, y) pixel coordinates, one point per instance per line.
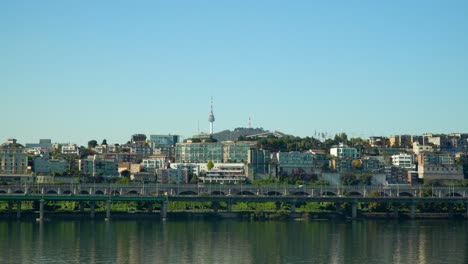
(74, 72)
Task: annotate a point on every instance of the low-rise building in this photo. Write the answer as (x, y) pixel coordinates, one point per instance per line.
(226, 173)
(295, 163)
(236, 152)
(218, 152)
(135, 168)
(192, 168)
(178, 175)
(200, 152)
(342, 165)
(403, 160)
(342, 151)
(164, 144)
(436, 159)
(141, 151)
(439, 167)
(146, 177)
(396, 175)
(443, 173)
(155, 162)
(121, 157)
(373, 164)
(138, 139)
(96, 166)
(13, 158)
(258, 162)
(43, 143)
(70, 149)
(123, 166)
(378, 141)
(46, 166)
(418, 148)
(404, 140)
(100, 149)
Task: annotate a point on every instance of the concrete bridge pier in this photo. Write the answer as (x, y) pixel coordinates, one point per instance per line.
(450, 210)
(229, 206)
(293, 207)
(41, 210)
(108, 209)
(278, 206)
(412, 210)
(215, 206)
(163, 210)
(466, 209)
(150, 207)
(354, 209)
(92, 206)
(10, 207)
(18, 210)
(396, 206)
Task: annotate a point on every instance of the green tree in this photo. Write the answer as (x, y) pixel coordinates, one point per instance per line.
(125, 173)
(321, 182)
(357, 164)
(104, 142)
(376, 207)
(193, 178)
(92, 143)
(210, 164)
(366, 179)
(123, 180)
(349, 179)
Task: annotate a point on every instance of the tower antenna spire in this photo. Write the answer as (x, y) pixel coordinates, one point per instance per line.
(211, 118)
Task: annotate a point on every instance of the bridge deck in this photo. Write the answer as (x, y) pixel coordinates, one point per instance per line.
(9, 197)
(240, 198)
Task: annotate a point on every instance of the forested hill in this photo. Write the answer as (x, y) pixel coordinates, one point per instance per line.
(228, 135)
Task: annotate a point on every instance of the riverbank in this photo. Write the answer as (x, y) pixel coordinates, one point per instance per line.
(237, 215)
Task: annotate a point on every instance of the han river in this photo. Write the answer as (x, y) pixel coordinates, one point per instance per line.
(229, 241)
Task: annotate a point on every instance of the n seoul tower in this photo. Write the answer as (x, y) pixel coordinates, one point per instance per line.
(211, 119)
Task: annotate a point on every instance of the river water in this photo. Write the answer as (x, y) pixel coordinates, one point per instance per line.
(238, 242)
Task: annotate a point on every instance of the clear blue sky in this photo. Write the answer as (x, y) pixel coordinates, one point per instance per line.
(79, 70)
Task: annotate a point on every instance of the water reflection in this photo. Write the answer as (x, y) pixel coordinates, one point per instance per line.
(233, 242)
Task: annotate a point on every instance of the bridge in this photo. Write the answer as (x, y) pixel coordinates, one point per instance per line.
(233, 190)
(231, 194)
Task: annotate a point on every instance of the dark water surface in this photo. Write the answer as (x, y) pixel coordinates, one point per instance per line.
(234, 242)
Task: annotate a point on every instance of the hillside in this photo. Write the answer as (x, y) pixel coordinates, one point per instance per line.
(228, 135)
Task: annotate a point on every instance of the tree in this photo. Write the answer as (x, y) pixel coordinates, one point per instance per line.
(92, 143)
(342, 138)
(210, 164)
(104, 142)
(193, 178)
(125, 173)
(357, 164)
(123, 180)
(376, 207)
(321, 182)
(349, 179)
(366, 179)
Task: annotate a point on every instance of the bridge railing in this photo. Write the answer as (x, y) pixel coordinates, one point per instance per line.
(227, 189)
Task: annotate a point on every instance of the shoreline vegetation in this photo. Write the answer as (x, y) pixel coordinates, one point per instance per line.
(241, 211)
